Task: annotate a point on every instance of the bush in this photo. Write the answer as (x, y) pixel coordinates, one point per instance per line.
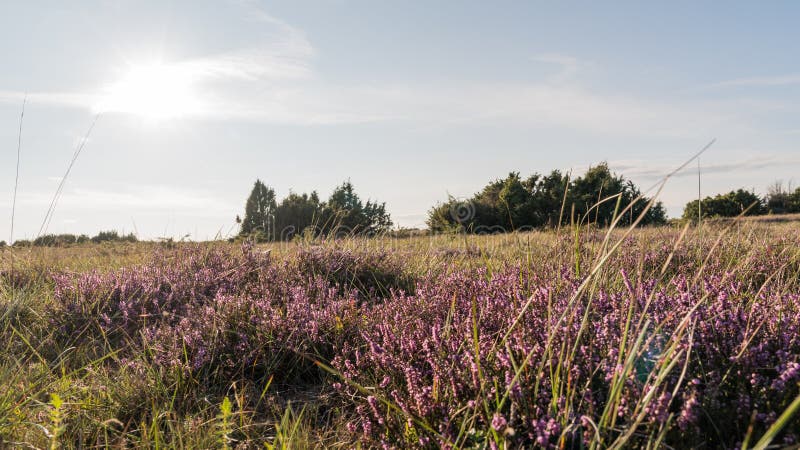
(782, 201)
(210, 313)
(447, 355)
(373, 274)
(344, 214)
(515, 204)
(113, 236)
(731, 204)
(53, 240)
(519, 354)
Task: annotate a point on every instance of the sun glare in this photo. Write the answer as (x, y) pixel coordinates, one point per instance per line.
(153, 91)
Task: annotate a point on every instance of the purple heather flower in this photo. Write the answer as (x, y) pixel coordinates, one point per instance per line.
(499, 422)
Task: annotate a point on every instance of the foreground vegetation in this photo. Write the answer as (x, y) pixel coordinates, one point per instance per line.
(575, 338)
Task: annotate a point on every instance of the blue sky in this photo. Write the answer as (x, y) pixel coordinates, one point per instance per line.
(412, 101)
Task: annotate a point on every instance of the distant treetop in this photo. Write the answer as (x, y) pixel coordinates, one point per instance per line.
(344, 214)
(743, 202)
(514, 203)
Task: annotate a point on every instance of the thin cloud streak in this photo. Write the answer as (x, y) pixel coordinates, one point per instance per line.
(780, 80)
(64, 99)
(640, 169)
(253, 64)
(274, 82)
(569, 65)
(541, 105)
(141, 198)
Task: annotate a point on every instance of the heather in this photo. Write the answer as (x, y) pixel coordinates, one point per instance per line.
(576, 338)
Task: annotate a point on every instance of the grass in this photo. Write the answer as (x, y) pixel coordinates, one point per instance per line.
(580, 338)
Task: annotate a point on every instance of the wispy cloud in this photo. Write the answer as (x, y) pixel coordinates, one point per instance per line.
(142, 198)
(237, 88)
(533, 104)
(569, 66)
(650, 170)
(66, 99)
(779, 80)
(274, 81)
(278, 54)
(282, 53)
(252, 64)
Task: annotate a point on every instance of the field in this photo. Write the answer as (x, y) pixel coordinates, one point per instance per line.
(662, 337)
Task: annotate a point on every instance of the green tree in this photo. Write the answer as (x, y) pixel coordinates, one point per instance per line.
(377, 220)
(512, 203)
(439, 219)
(259, 213)
(599, 195)
(55, 240)
(730, 204)
(483, 212)
(345, 213)
(781, 200)
(113, 236)
(794, 201)
(296, 214)
(515, 203)
(548, 198)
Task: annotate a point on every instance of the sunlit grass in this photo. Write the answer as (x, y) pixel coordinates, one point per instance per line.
(71, 377)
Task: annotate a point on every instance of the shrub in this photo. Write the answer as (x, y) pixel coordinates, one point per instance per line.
(515, 204)
(731, 204)
(113, 236)
(373, 274)
(300, 216)
(53, 240)
(209, 313)
(447, 358)
(509, 355)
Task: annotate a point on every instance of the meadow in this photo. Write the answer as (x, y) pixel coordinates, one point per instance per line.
(656, 337)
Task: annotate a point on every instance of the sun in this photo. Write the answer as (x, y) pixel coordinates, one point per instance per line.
(155, 91)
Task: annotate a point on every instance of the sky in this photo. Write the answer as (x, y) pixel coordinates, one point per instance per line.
(179, 106)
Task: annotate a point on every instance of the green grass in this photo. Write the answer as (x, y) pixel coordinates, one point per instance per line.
(55, 394)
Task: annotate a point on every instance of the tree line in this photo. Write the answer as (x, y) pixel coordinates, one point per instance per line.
(513, 203)
(779, 200)
(343, 214)
(598, 197)
(66, 239)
